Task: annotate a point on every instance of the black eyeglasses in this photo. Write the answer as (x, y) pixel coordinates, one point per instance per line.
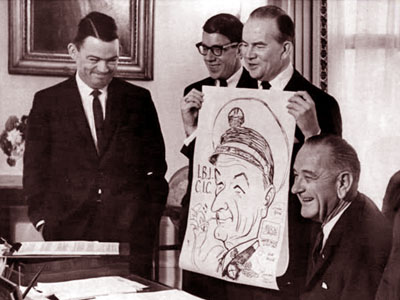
(217, 50)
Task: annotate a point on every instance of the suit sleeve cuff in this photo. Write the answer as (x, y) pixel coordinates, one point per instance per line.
(318, 133)
(190, 138)
(39, 224)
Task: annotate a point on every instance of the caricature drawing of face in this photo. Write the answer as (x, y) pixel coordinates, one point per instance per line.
(242, 197)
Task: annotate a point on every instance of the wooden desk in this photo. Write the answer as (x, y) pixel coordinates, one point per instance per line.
(10, 195)
(80, 268)
(152, 285)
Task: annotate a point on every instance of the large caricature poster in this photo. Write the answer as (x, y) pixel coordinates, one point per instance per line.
(237, 226)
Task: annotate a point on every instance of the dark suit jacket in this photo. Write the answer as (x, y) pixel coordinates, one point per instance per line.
(63, 172)
(290, 283)
(389, 288)
(354, 257)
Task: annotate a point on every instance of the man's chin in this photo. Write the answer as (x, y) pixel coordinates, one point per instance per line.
(100, 83)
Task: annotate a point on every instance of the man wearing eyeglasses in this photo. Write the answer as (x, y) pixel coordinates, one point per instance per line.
(222, 34)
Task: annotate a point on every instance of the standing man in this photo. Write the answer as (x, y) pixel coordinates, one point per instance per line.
(353, 243)
(94, 162)
(268, 37)
(222, 34)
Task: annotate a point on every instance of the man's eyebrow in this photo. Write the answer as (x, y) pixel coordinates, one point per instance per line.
(310, 173)
(259, 43)
(99, 58)
(211, 45)
(242, 174)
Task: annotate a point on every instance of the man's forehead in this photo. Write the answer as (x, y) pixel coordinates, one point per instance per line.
(260, 27)
(93, 42)
(311, 157)
(211, 39)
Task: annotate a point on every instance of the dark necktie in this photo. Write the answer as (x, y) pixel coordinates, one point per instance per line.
(265, 85)
(317, 247)
(98, 119)
(223, 83)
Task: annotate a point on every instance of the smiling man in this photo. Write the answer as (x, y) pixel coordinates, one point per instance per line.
(352, 246)
(267, 47)
(94, 162)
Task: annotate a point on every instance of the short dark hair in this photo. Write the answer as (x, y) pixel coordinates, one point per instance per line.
(98, 25)
(283, 21)
(343, 157)
(225, 24)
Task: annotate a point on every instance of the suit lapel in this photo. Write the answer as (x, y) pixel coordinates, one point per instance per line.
(343, 225)
(77, 113)
(246, 81)
(328, 252)
(114, 99)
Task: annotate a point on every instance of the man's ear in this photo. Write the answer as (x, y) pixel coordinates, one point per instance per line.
(344, 183)
(269, 197)
(72, 51)
(239, 53)
(287, 49)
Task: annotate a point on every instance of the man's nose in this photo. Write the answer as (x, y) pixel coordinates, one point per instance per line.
(297, 186)
(102, 66)
(248, 52)
(209, 56)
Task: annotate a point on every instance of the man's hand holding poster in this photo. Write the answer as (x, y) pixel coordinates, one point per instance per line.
(237, 226)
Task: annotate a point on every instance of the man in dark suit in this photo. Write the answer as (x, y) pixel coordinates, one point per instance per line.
(94, 162)
(222, 34)
(353, 242)
(268, 37)
(389, 288)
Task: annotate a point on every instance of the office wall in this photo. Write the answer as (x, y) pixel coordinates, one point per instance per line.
(177, 26)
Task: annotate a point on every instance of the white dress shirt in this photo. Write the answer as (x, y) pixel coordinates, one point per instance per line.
(281, 80)
(327, 228)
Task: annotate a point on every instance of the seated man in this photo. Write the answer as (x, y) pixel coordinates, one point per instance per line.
(351, 249)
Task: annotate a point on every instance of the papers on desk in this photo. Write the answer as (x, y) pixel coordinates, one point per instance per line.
(161, 295)
(68, 248)
(89, 288)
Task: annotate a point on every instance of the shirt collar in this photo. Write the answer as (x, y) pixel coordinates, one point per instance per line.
(234, 79)
(282, 79)
(86, 90)
(328, 226)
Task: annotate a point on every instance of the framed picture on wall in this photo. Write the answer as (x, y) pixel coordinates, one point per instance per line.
(40, 30)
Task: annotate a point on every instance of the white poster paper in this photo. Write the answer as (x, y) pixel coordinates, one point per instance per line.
(237, 224)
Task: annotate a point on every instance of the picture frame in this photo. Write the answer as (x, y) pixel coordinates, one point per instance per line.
(40, 30)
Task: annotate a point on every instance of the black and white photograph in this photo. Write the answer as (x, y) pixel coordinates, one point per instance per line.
(200, 149)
